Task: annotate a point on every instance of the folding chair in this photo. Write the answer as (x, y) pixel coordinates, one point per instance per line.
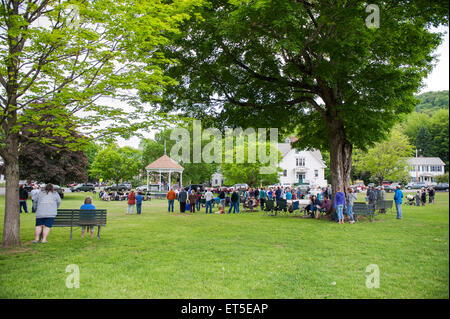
(269, 207)
(281, 206)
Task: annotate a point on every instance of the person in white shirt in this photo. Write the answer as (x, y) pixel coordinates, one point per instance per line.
(209, 200)
(34, 194)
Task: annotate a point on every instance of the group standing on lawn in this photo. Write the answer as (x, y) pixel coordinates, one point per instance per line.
(45, 202)
(343, 203)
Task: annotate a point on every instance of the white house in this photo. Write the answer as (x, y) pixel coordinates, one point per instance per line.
(301, 166)
(217, 179)
(425, 169)
(298, 166)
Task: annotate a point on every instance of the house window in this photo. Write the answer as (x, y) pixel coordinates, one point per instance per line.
(316, 173)
(285, 172)
(216, 182)
(300, 162)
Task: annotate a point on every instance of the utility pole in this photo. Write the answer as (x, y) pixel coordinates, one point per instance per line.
(417, 174)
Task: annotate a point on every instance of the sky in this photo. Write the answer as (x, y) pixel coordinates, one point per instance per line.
(436, 81)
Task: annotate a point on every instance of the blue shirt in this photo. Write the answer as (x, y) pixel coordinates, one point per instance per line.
(339, 199)
(398, 196)
(139, 199)
(87, 207)
(288, 195)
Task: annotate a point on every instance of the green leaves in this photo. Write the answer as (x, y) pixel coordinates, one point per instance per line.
(113, 163)
(387, 159)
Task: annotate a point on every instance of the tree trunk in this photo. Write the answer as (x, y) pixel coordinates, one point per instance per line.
(11, 227)
(340, 159)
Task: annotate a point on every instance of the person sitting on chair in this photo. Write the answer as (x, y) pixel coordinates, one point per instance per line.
(324, 207)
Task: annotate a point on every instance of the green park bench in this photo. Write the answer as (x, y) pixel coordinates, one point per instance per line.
(363, 209)
(79, 217)
(384, 204)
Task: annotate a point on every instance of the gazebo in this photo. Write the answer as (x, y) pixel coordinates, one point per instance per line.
(164, 164)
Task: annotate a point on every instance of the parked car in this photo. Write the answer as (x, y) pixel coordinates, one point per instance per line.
(391, 188)
(85, 187)
(441, 187)
(114, 187)
(128, 185)
(415, 185)
(150, 188)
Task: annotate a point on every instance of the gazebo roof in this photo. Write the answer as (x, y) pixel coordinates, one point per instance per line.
(166, 163)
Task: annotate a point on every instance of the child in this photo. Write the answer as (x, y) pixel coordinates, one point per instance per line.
(85, 215)
(417, 198)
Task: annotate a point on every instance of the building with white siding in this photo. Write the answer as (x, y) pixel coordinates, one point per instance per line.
(425, 169)
(306, 166)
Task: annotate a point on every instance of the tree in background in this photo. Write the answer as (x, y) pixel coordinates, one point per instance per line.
(387, 159)
(54, 163)
(442, 178)
(91, 150)
(114, 163)
(431, 102)
(249, 172)
(424, 141)
(305, 64)
(194, 173)
(428, 131)
(438, 128)
(412, 123)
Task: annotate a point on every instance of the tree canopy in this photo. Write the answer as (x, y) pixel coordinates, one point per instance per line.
(314, 67)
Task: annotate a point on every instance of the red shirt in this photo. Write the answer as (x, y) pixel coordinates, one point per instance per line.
(131, 198)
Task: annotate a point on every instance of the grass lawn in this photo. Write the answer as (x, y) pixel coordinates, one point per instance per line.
(162, 255)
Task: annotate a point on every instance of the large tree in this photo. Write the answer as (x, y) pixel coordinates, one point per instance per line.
(314, 66)
(60, 57)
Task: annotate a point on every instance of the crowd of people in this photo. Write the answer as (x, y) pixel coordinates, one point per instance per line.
(193, 200)
(45, 202)
(120, 196)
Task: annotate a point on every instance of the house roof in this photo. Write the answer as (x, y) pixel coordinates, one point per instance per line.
(285, 148)
(165, 162)
(425, 161)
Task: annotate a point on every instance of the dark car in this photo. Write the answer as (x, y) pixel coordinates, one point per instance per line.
(86, 187)
(113, 187)
(414, 185)
(194, 187)
(441, 187)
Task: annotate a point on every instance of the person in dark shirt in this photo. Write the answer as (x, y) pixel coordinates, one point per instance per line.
(23, 196)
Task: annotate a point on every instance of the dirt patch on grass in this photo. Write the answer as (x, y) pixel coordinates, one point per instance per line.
(18, 250)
